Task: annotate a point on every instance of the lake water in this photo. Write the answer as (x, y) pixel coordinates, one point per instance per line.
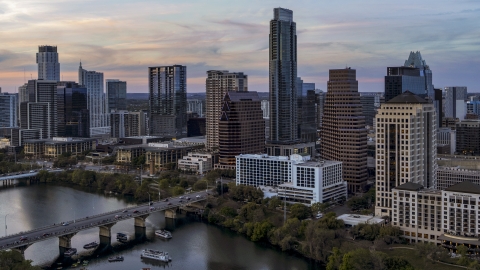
(195, 245)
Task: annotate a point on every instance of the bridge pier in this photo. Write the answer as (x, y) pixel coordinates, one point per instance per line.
(22, 249)
(105, 234)
(65, 242)
(140, 221)
(170, 218)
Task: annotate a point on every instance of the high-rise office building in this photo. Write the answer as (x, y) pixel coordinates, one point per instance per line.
(241, 127)
(127, 124)
(406, 147)
(168, 100)
(40, 109)
(368, 108)
(218, 83)
(282, 77)
(414, 76)
(48, 65)
(438, 103)
(8, 110)
(266, 108)
(343, 133)
(195, 106)
(468, 137)
(455, 102)
(73, 118)
(319, 106)
(93, 81)
(116, 95)
(306, 100)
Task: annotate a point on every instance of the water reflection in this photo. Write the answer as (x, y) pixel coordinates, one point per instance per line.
(195, 245)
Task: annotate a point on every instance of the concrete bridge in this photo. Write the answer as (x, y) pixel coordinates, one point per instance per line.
(65, 231)
(8, 178)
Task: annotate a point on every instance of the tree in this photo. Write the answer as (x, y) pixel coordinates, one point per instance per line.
(463, 251)
(261, 230)
(335, 259)
(178, 191)
(15, 261)
(319, 207)
(300, 211)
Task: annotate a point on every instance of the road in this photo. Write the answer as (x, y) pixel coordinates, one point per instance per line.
(57, 229)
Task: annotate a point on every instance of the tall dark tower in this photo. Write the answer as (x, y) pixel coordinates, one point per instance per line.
(343, 132)
(283, 75)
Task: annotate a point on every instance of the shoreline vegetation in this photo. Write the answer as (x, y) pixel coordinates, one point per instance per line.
(243, 209)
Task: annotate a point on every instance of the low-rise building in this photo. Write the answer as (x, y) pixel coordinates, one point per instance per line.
(55, 147)
(161, 156)
(196, 162)
(449, 217)
(449, 176)
(351, 220)
(298, 178)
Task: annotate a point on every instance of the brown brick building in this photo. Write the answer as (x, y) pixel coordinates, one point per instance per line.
(241, 127)
(343, 133)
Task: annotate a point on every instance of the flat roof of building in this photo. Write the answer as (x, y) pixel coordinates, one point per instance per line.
(320, 163)
(410, 186)
(354, 219)
(465, 187)
(59, 140)
(198, 139)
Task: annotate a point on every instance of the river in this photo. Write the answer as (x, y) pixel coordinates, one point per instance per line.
(195, 245)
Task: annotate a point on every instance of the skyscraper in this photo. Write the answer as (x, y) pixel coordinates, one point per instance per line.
(48, 65)
(415, 76)
(116, 95)
(40, 110)
(368, 106)
(168, 100)
(241, 127)
(8, 110)
(406, 147)
(93, 81)
(455, 102)
(306, 100)
(72, 110)
(218, 83)
(343, 133)
(282, 77)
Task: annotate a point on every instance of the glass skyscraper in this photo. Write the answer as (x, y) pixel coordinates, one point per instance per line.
(168, 100)
(283, 76)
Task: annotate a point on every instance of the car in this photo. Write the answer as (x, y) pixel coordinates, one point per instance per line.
(188, 198)
(166, 200)
(32, 171)
(151, 203)
(152, 208)
(181, 197)
(65, 224)
(117, 216)
(198, 196)
(169, 203)
(124, 211)
(136, 211)
(46, 234)
(23, 238)
(180, 201)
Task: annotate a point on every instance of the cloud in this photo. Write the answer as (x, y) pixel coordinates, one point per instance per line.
(123, 38)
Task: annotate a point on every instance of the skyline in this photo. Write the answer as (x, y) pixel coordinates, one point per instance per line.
(122, 39)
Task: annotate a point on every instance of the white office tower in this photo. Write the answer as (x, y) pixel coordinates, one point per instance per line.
(93, 81)
(406, 147)
(455, 102)
(48, 65)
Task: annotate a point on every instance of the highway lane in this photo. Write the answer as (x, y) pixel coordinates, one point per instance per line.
(57, 229)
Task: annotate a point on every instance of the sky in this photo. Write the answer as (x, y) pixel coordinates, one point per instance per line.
(123, 38)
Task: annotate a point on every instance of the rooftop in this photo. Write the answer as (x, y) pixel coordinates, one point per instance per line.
(465, 187)
(407, 97)
(410, 186)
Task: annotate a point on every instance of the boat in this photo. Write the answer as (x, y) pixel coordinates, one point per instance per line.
(155, 255)
(90, 245)
(122, 237)
(116, 259)
(164, 234)
(70, 252)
